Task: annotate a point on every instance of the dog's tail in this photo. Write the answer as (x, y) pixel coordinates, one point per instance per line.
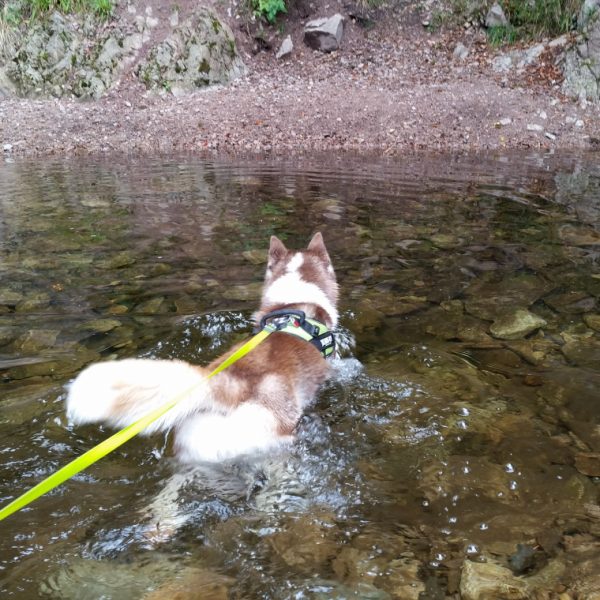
(120, 392)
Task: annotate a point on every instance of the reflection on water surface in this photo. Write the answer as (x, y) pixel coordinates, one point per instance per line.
(462, 456)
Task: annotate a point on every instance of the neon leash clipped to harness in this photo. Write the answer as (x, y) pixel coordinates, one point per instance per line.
(112, 443)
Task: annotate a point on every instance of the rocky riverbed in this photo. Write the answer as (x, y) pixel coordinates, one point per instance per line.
(394, 85)
(455, 455)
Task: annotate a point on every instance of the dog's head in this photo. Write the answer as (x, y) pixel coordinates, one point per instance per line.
(304, 277)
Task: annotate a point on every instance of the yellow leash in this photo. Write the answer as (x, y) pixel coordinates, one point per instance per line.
(119, 438)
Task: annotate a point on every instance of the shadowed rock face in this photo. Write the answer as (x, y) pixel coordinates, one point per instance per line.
(324, 34)
(582, 62)
(76, 56)
(199, 52)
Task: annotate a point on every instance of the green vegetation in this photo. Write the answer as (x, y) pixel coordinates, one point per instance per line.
(268, 9)
(541, 18)
(528, 19)
(15, 12)
(499, 36)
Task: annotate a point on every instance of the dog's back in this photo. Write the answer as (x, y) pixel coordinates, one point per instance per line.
(256, 403)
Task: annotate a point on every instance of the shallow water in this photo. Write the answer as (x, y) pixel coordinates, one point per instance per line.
(450, 435)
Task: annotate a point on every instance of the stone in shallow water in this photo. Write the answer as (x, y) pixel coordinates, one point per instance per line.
(592, 321)
(101, 325)
(490, 581)
(35, 340)
(250, 291)
(579, 236)
(256, 257)
(390, 303)
(9, 297)
(445, 241)
(404, 579)
(489, 298)
(152, 306)
(583, 352)
(7, 334)
(34, 301)
(118, 261)
(87, 579)
(117, 309)
(306, 542)
(194, 584)
(588, 463)
(572, 302)
(535, 350)
(516, 325)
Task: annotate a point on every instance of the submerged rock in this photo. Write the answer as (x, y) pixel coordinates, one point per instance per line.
(35, 301)
(85, 578)
(524, 559)
(516, 325)
(151, 307)
(193, 584)
(306, 543)
(255, 257)
(572, 302)
(7, 335)
(118, 261)
(490, 581)
(588, 463)
(34, 340)
(583, 352)
(9, 297)
(250, 291)
(101, 325)
(489, 298)
(592, 321)
(579, 235)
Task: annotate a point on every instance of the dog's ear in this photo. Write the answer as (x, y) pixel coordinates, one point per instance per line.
(317, 245)
(277, 249)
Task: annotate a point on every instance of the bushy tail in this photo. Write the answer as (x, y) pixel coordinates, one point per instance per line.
(119, 393)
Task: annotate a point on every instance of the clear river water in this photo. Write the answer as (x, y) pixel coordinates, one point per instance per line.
(456, 452)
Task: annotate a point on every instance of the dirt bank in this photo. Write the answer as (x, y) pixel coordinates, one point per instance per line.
(393, 87)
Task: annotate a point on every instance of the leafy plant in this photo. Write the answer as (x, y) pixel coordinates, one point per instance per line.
(14, 13)
(529, 19)
(269, 9)
(536, 18)
(498, 36)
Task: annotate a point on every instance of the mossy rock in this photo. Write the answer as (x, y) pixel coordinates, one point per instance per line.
(201, 51)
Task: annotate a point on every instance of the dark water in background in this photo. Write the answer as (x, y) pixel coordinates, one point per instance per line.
(451, 446)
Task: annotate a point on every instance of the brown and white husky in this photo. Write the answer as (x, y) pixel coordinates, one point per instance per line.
(253, 405)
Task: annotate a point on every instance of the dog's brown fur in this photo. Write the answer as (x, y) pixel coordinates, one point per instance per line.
(256, 403)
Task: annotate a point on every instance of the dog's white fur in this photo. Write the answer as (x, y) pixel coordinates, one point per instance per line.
(252, 406)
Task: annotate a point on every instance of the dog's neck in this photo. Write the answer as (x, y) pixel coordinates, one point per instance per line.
(306, 296)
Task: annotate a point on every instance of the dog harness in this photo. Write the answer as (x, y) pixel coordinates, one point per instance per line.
(295, 322)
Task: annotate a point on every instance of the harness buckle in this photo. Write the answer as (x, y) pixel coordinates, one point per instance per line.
(281, 318)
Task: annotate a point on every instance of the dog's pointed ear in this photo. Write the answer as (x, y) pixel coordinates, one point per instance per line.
(317, 245)
(277, 249)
